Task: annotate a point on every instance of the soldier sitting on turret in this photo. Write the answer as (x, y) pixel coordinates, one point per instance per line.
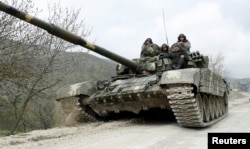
(150, 49)
(163, 63)
(149, 54)
(184, 43)
(178, 56)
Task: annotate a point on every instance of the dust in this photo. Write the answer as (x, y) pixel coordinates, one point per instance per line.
(66, 112)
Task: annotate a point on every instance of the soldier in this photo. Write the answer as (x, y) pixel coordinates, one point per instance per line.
(149, 49)
(182, 39)
(164, 48)
(178, 56)
(164, 63)
(149, 55)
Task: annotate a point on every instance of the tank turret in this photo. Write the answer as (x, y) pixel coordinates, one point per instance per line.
(63, 34)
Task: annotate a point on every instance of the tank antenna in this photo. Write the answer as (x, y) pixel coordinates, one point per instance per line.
(165, 26)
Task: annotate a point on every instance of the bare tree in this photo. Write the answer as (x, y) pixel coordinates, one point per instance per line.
(216, 64)
(30, 57)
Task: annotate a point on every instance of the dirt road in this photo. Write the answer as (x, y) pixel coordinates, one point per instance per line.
(133, 133)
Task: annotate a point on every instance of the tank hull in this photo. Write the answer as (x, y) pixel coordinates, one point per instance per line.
(197, 97)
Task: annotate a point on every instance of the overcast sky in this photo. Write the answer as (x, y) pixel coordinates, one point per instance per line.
(211, 26)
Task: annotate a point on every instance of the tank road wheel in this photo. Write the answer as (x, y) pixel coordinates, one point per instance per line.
(206, 108)
(200, 104)
(220, 106)
(217, 106)
(212, 107)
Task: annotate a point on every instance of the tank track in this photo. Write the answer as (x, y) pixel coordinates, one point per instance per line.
(196, 109)
(86, 113)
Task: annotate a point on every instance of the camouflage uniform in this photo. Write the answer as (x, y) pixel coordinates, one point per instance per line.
(149, 54)
(149, 50)
(185, 44)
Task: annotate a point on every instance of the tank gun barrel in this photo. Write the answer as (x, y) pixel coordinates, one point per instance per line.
(66, 35)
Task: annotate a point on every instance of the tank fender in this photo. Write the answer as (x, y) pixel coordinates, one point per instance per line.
(83, 88)
(190, 76)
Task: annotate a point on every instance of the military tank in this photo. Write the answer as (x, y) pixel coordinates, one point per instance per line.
(197, 96)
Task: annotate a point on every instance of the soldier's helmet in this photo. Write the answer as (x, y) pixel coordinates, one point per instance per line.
(176, 45)
(163, 46)
(182, 35)
(148, 39)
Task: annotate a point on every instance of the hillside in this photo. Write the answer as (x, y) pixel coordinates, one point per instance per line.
(88, 67)
(40, 111)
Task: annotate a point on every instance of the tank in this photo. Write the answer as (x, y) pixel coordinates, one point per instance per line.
(197, 96)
